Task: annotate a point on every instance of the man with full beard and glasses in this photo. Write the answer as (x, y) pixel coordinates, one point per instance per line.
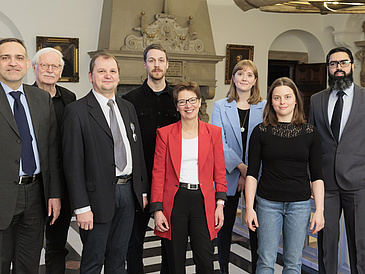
(339, 114)
(155, 108)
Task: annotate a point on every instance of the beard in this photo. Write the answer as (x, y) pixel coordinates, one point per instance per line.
(153, 75)
(340, 83)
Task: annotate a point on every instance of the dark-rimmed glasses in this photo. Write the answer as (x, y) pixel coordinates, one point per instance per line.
(183, 102)
(343, 63)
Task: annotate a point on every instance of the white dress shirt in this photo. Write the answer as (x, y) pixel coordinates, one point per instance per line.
(347, 104)
(23, 100)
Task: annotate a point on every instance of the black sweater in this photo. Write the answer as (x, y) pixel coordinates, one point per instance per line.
(286, 152)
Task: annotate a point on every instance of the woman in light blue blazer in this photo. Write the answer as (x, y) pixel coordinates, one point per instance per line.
(237, 115)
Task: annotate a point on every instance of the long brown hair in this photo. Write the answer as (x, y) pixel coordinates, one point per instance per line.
(255, 96)
(270, 117)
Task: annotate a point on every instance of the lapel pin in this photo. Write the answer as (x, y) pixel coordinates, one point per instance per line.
(133, 128)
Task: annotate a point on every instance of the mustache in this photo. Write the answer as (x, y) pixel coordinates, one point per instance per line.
(49, 74)
(339, 70)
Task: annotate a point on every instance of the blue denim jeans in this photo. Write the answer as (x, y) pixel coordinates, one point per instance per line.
(292, 218)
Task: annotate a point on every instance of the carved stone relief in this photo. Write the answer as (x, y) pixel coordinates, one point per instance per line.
(167, 32)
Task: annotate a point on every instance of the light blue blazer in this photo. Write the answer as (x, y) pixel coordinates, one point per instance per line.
(225, 115)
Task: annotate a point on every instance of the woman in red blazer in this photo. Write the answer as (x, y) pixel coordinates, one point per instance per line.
(188, 184)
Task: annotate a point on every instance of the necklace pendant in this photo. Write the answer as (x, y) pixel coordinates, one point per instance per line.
(242, 129)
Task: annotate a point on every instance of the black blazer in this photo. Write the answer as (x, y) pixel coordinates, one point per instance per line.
(67, 96)
(88, 156)
(45, 129)
(343, 162)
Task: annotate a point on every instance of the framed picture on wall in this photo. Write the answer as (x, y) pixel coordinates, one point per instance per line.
(234, 54)
(70, 50)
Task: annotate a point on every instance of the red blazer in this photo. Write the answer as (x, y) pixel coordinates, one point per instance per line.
(166, 171)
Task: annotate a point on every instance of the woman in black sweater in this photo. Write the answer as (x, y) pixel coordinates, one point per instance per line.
(286, 146)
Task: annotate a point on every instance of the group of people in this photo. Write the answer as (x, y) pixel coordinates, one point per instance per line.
(281, 162)
(113, 161)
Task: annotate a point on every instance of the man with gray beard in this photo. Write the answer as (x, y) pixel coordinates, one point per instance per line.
(339, 114)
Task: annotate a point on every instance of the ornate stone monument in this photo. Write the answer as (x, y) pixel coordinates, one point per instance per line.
(182, 27)
(361, 56)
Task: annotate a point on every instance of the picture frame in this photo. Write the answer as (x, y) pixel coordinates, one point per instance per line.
(70, 50)
(234, 54)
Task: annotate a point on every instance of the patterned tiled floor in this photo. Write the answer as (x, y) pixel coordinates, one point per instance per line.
(239, 259)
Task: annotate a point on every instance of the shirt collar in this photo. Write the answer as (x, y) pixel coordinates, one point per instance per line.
(7, 89)
(348, 92)
(103, 101)
(148, 89)
(58, 93)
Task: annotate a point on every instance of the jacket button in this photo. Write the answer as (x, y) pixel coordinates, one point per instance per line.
(15, 183)
(18, 141)
(16, 162)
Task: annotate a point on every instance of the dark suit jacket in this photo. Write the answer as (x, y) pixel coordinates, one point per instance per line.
(45, 129)
(88, 156)
(67, 97)
(343, 162)
(166, 171)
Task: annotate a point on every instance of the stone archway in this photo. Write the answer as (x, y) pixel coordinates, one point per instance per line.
(292, 41)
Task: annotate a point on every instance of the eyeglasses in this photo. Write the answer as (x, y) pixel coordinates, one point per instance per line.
(45, 66)
(343, 63)
(183, 102)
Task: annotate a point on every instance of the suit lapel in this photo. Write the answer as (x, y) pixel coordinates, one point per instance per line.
(356, 104)
(175, 147)
(203, 145)
(324, 102)
(5, 111)
(33, 104)
(65, 97)
(97, 113)
(233, 119)
(126, 117)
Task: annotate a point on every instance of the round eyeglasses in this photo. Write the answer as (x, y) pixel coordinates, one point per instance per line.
(45, 66)
(343, 63)
(183, 102)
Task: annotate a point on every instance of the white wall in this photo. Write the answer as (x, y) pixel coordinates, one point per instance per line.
(298, 32)
(26, 19)
(233, 26)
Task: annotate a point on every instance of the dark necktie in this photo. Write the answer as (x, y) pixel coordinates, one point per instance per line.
(120, 155)
(27, 155)
(337, 113)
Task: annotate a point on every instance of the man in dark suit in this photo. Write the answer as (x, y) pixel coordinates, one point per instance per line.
(155, 108)
(29, 163)
(104, 168)
(47, 66)
(339, 114)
